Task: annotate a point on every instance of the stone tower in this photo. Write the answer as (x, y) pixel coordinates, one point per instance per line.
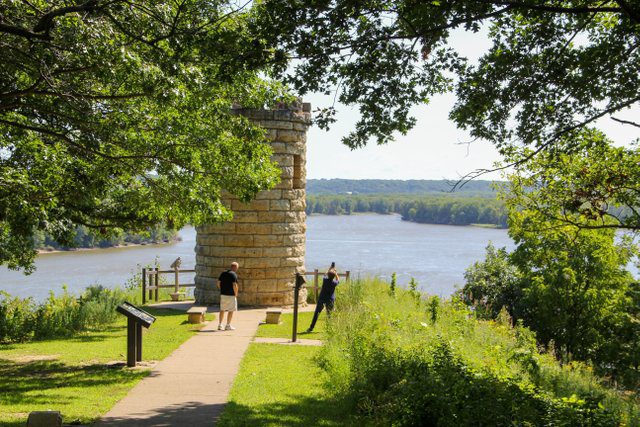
(266, 236)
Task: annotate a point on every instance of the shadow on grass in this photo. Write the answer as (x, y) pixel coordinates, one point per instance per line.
(298, 411)
(164, 312)
(36, 382)
(93, 337)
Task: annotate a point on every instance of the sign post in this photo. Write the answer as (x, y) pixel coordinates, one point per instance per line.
(300, 281)
(136, 319)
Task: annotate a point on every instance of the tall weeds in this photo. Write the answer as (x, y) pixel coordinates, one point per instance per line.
(430, 362)
(58, 316)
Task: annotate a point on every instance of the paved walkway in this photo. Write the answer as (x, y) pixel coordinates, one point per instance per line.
(190, 387)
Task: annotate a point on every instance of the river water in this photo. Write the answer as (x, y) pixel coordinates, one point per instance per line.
(367, 245)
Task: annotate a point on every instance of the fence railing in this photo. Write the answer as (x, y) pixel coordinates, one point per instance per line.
(151, 283)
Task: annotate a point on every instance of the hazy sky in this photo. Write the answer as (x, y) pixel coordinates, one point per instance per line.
(432, 150)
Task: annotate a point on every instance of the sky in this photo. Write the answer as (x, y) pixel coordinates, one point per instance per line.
(433, 149)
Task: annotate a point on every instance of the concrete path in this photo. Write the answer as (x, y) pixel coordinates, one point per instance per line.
(190, 386)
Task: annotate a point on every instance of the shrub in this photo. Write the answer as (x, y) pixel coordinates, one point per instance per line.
(16, 318)
(573, 290)
(98, 306)
(399, 367)
(58, 316)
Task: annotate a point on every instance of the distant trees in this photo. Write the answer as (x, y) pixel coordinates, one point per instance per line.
(449, 210)
(397, 186)
(84, 238)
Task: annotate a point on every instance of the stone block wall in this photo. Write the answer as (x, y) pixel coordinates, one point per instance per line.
(266, 236)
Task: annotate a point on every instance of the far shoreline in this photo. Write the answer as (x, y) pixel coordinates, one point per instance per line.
(476, 225)
(127, 245)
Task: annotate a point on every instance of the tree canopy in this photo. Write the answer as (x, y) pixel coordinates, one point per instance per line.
(553, 71)
(118, 114)
(553, 66)
(595, 186)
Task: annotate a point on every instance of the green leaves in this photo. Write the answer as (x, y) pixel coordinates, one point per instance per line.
(553, 68)
(567, 279)
(592, 184)
(120, 116)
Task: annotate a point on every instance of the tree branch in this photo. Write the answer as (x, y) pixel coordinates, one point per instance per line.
(626, 122)
(633, 14)
(19, 31)
(46, 21)
(479, 172)
(555, 9)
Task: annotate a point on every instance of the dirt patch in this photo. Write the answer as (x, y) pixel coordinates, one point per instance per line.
(144, 365)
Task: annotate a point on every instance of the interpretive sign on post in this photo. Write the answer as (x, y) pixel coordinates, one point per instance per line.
(136, 319)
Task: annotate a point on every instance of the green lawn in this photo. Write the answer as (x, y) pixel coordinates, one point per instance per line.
(282, 385)
(285, 328)
(72, 375)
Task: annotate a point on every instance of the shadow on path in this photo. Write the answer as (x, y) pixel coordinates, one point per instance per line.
(183, 414)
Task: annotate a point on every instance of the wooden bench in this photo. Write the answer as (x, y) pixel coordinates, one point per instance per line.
(196, 314)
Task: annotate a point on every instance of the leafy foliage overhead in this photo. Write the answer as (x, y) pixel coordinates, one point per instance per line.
(553, 66)
(593, 187)
(117, 114)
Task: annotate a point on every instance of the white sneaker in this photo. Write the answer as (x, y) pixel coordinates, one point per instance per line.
(229, 328)
(220, 327)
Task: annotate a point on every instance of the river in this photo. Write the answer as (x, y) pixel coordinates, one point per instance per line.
(435, 255)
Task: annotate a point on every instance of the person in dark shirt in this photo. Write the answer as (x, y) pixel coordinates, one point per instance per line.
(228, 285)
(327, 296)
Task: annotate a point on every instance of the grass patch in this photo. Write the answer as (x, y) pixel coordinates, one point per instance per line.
(282, 385)
(486, 225)
(285, 328)
(71, 374)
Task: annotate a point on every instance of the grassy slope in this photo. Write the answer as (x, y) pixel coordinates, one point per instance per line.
(71, 375)
(399, 322)
(284, 385)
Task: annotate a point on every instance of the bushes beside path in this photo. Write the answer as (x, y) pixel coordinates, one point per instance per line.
(21, 319)
(407, 359)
